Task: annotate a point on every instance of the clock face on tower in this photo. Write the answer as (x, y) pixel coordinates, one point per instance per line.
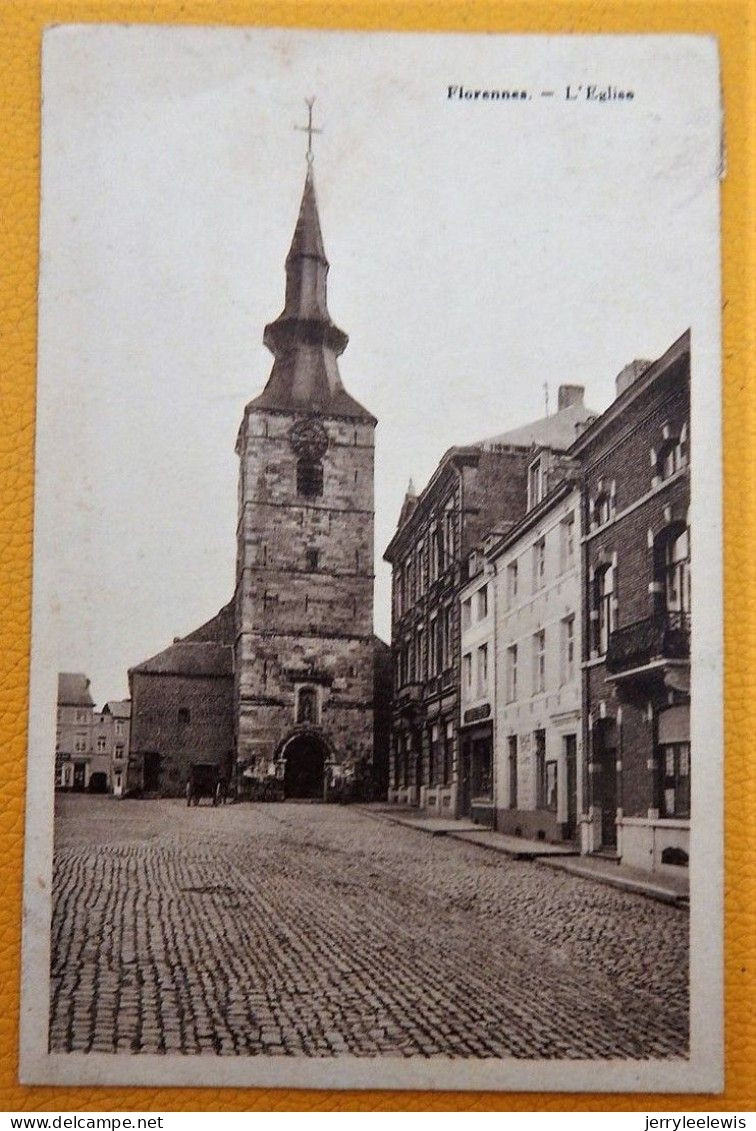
(309, 439)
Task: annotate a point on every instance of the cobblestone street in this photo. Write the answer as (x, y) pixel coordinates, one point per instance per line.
(316, 930)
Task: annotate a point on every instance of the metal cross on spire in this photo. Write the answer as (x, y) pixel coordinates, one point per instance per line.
(309, 129)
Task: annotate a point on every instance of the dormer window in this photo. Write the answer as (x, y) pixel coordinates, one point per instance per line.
(536, 482)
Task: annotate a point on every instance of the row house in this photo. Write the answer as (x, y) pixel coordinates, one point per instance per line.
(75, 761)
(111, 735)
(575, 637)
(636, 636)
(474, 490)
(537, 685)
(91, 747)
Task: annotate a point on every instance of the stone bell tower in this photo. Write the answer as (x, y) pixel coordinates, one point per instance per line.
(303, 693)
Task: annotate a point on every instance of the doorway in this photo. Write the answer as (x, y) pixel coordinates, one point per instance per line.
(570, 761)
(304, 774)
(151, 778)
(79, 775)
(605, 753)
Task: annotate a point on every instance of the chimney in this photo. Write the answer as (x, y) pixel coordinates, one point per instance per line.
(630, 374)
(569, 395)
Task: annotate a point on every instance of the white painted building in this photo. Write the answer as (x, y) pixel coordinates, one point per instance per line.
(537, 702)
(476, 776)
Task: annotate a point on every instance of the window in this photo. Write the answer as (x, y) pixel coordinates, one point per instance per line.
(482, 670)
(102, 744)
(671, 457)
(183, 716)
(466, 612)
(482, 602)
(539, 564)
(604, 607)
(511, 584)
(119, 727)
(550, 786)
(512, 759)
(675, 766)
(425, 563)
(539, 662)
(511, 673)
(440, 557)
(568, 649)
(568, 542)
(467, 671)
(449, 534)
(535, 483)
(539, 741)
(410, 660)
(677, 573)
(447, 641)
(312, 557)
(309, 478)
(118, 753)
(307, 705)
(419, 666)
(80, 744)
(434, 767)
(448, 752)
(602, 509)
(81, 716)
(433, 647)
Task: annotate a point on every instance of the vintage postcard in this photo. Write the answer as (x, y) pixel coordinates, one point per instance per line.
(375, 733)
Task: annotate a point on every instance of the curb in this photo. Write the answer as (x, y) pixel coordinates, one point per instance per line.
(622, 883)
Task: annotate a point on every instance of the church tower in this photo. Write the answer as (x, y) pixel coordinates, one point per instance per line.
(304, 649)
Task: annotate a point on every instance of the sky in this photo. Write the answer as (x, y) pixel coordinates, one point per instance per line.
(479, 250)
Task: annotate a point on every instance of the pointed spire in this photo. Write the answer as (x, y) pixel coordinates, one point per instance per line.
(411, 492)
(308, 239)
(304, 341)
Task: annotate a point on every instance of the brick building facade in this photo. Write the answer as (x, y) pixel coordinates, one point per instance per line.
(475, 490)
(636, 636)
(279, 689)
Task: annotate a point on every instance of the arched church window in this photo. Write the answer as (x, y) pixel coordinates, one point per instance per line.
(307, 705)
(309, 478)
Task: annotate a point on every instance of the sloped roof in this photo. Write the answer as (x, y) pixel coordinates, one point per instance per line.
(558, 431)
(73, 690)
(190, 659)
(207, 651)
(118, 708)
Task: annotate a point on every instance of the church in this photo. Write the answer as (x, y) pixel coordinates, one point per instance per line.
(286, 691)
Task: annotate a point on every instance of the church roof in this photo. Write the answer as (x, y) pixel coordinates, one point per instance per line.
(308, 238)
(73, 690)
(207, 651)
(304, 340)
(188, 659)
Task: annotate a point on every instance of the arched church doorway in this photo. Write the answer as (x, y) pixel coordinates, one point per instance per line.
(305, 757)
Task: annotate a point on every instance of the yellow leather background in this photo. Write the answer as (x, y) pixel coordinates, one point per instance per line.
(21, 24)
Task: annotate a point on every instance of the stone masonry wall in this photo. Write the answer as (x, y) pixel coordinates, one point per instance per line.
(297, 625)
(208, 736)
